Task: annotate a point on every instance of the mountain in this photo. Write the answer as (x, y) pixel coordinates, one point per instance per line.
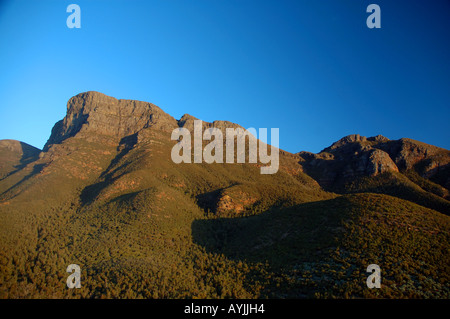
(404, 168)
(14, 155)
(105, 194)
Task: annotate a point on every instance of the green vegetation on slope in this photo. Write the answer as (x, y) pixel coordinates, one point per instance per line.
(322, 249)
(131, 248)
(402, 186)
(141, 226)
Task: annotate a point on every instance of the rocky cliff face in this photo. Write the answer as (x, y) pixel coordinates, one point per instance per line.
(187, 121)
(91, 114)
(407, 153)
(106, 193)
(118, 126)
(355, 156)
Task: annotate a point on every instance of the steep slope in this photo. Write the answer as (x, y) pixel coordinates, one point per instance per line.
(404, 168)
(105, 194)
(92, 113)
(322, 249)
(15, 155)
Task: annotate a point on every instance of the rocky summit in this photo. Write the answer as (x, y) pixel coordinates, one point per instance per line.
(94, 113)
(105, 195)
(355, 156)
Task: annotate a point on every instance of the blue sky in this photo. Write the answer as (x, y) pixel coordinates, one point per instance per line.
(311, 68)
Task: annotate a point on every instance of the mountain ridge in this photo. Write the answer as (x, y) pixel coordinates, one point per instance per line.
(105, 194)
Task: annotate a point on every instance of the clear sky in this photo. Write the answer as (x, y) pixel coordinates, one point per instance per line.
(311, 68)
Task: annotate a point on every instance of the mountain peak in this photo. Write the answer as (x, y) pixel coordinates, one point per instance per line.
(130, 212)
(355, 138)
(186, 118)
(354, 156)
(18, 147)
(93, 113)
(187, 121)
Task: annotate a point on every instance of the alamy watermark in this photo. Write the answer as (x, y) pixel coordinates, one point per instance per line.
(74, 280)
(74, 19)
(374, 19)
(374, 280)
(213, 152)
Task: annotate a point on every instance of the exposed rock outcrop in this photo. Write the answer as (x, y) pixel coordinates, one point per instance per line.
(93, 113)
(354, 156)
(187, 121)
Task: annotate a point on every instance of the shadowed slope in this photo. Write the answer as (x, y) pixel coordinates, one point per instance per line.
(15, 155)
(106, 195)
